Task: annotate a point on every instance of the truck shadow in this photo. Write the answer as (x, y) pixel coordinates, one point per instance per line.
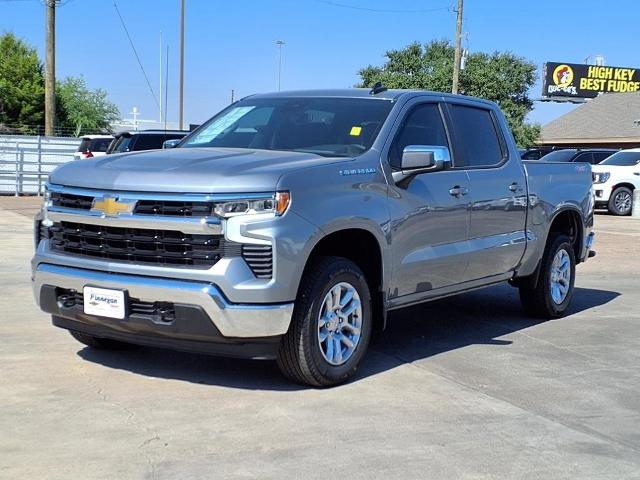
(416, 333)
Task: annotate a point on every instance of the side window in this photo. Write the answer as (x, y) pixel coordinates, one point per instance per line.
(584, 157)
(422, 126)
(148, 142)
(600, 156)
(476, 136)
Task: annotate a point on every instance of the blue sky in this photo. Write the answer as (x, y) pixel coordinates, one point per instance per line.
(231, 44)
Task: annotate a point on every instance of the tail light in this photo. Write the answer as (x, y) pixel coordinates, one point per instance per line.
(88, 154)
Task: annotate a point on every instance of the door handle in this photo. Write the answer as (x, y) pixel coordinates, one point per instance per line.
(515, 187)
(458, 191)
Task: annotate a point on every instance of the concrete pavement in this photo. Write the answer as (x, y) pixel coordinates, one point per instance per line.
(464, 388)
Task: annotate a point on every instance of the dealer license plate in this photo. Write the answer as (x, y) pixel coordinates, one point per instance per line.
(104, 302)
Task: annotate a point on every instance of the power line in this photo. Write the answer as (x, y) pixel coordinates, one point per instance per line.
(379, 10)
(136, 54)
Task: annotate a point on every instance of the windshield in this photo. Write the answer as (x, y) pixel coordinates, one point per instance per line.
(623, 159)
(559, 156)
(331, 127)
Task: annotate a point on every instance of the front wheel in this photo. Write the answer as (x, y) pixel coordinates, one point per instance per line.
(331, 324)
(621, 201)
(551, 297)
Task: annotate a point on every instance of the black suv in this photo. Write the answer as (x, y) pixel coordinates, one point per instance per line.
(591, 155)
(143, 140)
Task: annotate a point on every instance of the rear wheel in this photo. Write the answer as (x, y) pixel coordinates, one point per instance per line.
(99, 343)
(621, 201)
(551, 297)
(331, 324)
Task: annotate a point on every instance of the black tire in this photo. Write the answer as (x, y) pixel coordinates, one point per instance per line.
(618, 206)
(300, 357)
(538, 301)
(99, 343)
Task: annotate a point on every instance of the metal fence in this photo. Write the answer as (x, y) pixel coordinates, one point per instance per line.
(27, 161)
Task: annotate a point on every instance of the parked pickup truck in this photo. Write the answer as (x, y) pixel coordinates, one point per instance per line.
(289, 225)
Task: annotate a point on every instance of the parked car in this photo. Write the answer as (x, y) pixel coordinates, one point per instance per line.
(143, 140)
(92, 146)
(615, 179)
(535, 153)
(592, 156)
(290, 224)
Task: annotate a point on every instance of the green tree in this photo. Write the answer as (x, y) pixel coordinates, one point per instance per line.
(21, 84)
(81, 110)
(502, 77)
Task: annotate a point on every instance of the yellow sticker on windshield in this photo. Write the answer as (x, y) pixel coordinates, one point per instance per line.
(355, 131)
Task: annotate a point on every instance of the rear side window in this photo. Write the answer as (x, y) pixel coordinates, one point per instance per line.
(422, 126)
(584, 157)
(148, 142)
(477, 140)
(600, 156)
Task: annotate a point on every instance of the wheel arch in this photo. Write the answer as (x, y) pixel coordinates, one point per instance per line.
(569, 220)
(626, 184)
(364, 248)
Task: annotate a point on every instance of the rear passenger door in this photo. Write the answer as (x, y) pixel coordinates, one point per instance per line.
(497, 190)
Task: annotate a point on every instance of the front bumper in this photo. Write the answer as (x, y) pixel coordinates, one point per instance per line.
(227, 320)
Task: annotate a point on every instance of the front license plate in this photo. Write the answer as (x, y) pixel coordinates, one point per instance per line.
(104, 302)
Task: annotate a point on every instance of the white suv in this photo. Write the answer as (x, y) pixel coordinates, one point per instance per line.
(615, 179)
(93, 146)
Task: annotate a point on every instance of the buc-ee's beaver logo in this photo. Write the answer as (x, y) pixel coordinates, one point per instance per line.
(563, 76)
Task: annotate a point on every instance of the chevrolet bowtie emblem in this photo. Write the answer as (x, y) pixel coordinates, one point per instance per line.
(111, 207)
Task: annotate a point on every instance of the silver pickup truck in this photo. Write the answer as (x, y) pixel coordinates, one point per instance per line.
(290, 224)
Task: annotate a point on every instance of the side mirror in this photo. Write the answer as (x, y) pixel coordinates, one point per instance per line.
(173, 143)
(421, 159)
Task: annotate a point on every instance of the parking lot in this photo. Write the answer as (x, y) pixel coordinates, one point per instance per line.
(465, 387)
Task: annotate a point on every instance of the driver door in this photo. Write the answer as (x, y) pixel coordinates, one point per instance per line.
(430, 222)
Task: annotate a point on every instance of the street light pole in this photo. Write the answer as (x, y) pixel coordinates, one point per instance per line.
(279, 43)
(458, 55)
(50, 74)
(181, 65)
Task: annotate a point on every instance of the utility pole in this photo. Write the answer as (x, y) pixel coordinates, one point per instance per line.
(279, 43)
(181, 64)
(458, 55)
(50, 74)
(160, 96)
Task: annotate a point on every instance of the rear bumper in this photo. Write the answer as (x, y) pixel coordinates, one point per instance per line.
(202, 313)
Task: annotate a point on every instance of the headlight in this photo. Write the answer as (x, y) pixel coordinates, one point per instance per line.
(276, 204)
(601, 177)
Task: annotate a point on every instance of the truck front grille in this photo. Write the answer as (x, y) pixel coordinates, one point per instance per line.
(70, 200)
(174, 208)
(168, 208)
(156, 247)
(260, 259)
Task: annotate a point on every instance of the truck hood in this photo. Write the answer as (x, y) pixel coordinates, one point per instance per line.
(187, 170)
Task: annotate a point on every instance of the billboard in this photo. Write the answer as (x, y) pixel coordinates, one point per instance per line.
(587, 81)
